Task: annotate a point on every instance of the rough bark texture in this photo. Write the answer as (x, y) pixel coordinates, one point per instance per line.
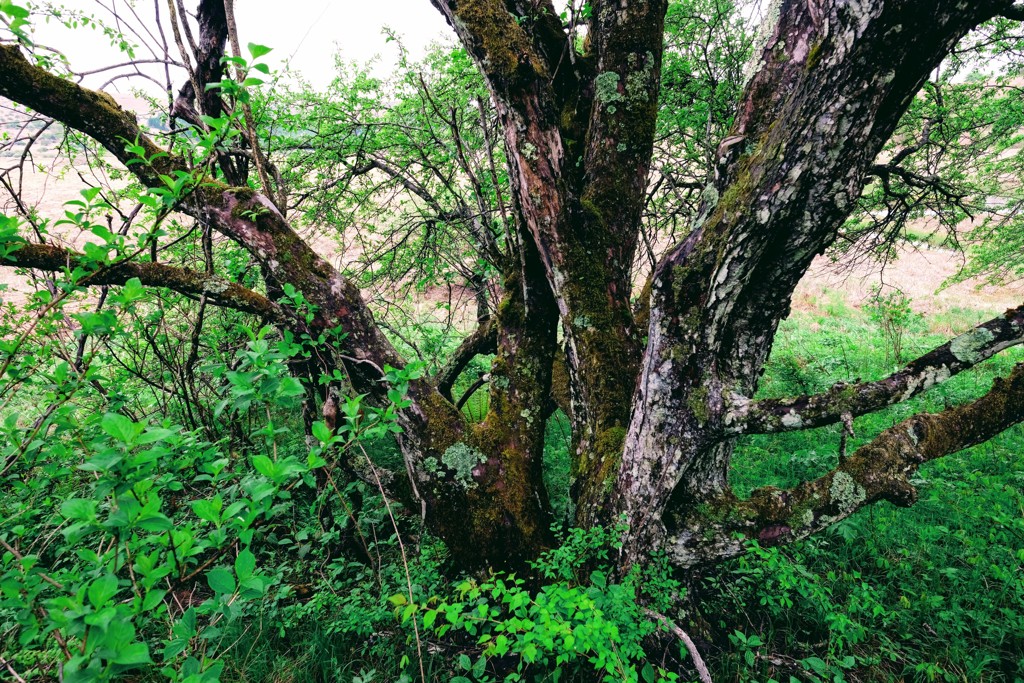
(830, 82)
(219, 292)
(443, 451)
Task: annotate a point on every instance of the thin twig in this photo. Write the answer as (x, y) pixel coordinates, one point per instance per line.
(698, 662)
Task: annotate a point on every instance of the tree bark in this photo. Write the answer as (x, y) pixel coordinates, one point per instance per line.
(829, 82)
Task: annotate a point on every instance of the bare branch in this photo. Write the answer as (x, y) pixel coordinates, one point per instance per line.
(698, 661)
(217, 290)
(483, 340)
(936, 366)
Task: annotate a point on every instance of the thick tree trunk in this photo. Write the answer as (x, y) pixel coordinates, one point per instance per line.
(830, 83)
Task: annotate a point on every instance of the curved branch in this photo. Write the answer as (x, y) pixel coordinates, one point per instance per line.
(483, 340)
(805, 412)
(217, 290)
(691, 647)
(879, 470)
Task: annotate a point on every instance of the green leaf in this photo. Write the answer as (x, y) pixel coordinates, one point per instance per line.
(120, 427)
(102, 590)
(156, 523)
(245, 564)
(265, 466)
(257, 50)
(79, 508)
(322, 432)
(208, 510)
(135, 654)
(152, 599)
(221, 581)
(132, 290)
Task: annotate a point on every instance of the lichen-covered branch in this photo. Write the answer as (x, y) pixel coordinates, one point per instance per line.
(879, 470)
(936, 366)
(828, 83)
(218, 291)
(489, 475)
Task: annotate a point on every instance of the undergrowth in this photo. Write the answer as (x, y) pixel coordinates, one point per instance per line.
(310, 582)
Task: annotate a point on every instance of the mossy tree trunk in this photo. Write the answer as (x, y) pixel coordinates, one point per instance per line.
(654, 409)
(827, 87)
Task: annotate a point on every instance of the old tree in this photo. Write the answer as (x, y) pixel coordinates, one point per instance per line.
(661, 371)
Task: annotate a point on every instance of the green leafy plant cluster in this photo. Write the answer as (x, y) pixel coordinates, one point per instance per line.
(568, 625)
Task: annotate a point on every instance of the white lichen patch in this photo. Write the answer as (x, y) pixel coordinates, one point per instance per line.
(761, 40)
(639, 81)
(968, 347)
(606, 85)
(927, 379)
(792, 420)
(462, 460)
(845, 492)
(215, 286)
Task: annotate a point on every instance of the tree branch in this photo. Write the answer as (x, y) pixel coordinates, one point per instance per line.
(805, 412)
(691, 647)
(217, 290)
(498, 42)
(92, 112)
(879, 470)
(483, 340)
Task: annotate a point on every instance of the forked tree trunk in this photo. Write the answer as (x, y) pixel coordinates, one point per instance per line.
(829, 82)
(654, 411)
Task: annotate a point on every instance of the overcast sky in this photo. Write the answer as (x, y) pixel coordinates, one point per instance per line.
(308, 32)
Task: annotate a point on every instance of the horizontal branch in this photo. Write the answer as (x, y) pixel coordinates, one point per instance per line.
(879, 470)
(805, 412)
(218, 291)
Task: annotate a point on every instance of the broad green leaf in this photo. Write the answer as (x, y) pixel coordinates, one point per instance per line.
(257, 50)
(221, 580)
(135, 654)
(79, 508)
(120, 427)
(245, 564)
(102, 590)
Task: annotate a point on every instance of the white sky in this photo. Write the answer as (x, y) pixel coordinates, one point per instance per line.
(308, 32)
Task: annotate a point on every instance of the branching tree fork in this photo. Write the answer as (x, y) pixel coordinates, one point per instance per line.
(658, 394)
